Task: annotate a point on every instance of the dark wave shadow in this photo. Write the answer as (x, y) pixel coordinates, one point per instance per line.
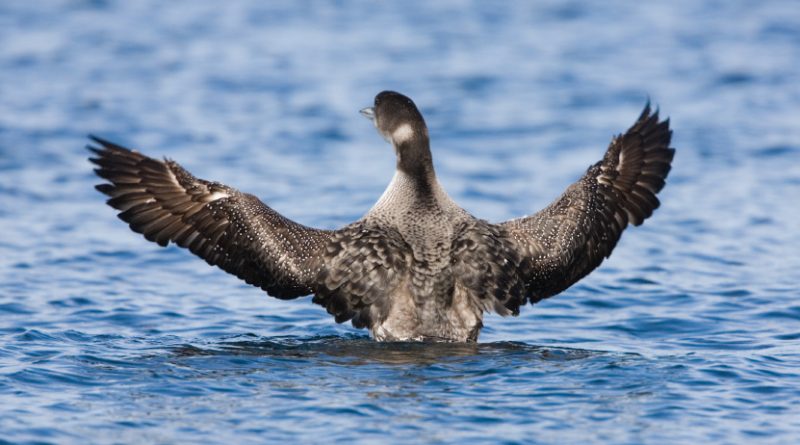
(355, 350)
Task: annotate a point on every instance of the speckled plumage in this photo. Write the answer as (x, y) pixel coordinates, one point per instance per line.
(417, 266)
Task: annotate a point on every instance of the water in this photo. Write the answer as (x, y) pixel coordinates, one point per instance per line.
(689, 333)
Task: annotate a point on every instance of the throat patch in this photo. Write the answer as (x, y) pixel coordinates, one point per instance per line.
(402, 134)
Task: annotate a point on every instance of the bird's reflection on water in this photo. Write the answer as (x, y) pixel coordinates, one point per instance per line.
(356, 350)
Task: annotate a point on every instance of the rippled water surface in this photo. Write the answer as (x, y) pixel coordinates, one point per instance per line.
(690, 333)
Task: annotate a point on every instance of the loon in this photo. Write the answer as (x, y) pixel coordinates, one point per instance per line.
(416, 267)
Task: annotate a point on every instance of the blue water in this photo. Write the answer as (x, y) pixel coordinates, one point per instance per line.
(690, 333)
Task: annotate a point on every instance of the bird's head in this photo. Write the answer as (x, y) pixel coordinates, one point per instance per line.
(397, 119)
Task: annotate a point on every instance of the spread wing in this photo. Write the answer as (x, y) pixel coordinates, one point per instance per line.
(571, 237)
(349, 270)
(229, 229)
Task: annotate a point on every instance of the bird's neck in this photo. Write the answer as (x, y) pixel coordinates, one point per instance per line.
(414, 185)
(415, 163)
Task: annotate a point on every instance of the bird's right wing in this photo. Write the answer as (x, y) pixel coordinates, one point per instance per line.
(571, 237)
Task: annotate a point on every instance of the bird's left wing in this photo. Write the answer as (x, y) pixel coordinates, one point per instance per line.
(229, 229)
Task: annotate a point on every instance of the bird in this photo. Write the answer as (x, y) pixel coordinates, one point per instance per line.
(416, 267)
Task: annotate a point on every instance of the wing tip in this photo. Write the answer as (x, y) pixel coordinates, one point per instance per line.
(104, 188)
(106, 146)
(650, 115)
